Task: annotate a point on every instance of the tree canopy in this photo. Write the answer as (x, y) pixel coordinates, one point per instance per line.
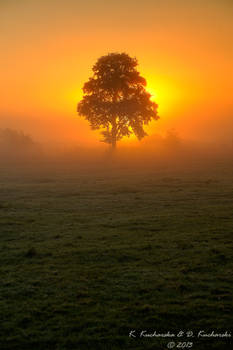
(115, 99)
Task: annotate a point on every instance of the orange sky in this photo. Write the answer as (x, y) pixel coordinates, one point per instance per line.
(184, 49)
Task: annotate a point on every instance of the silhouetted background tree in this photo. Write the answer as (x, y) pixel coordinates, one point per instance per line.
(115, 99)
(16, 140)
(16, 145)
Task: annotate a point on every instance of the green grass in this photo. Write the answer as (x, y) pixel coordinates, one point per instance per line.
(87, 257)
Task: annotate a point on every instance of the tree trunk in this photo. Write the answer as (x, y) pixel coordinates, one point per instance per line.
(114, 133)
(114, 144)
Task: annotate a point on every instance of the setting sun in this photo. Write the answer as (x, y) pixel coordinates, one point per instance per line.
(164, 94)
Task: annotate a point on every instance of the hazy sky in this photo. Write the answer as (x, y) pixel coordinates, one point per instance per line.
(184, 49)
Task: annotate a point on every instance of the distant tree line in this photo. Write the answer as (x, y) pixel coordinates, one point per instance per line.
(15, 139)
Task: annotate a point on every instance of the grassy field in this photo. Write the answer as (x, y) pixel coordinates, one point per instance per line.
(86, 257)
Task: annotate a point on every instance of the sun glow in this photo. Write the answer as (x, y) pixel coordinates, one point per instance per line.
(165, 94)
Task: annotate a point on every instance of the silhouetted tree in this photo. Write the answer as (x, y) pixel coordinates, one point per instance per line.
(172, 139)
(15, 139)
(16, 145)
(115, 99)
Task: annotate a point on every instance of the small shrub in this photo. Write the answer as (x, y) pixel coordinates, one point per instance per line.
(31, 253)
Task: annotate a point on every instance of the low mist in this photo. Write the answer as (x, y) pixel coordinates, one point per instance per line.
(21, 152)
